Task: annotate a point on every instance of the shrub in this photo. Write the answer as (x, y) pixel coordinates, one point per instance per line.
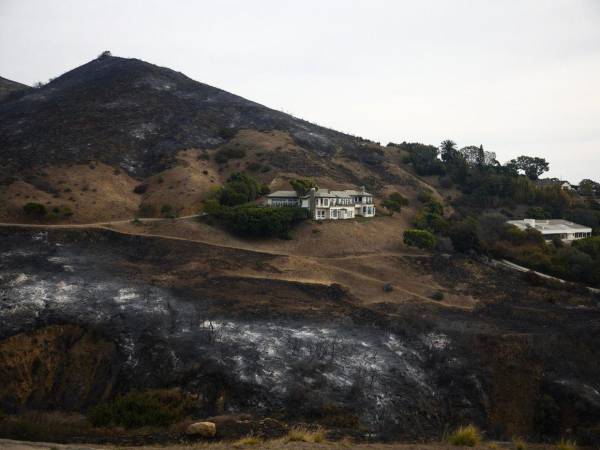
(303, 185)
(140, 188)
(260, 221)
(394, 202)
(419, 238)
(224, 154)
(139, 409)
(146, 210)
(465, 436)
(35, 210)
(168, 211)
(254, 167)
(464, 236)
(239, 189)
(227, 133)
(519, 443)
(438, 295)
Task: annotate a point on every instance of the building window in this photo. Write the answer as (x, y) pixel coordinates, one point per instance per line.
(334, 213)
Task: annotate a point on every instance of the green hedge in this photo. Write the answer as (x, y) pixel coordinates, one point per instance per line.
(139, 409)
(419, 238)
(259, 221)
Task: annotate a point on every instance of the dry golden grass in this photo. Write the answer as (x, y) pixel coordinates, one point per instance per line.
(465, 436)
(248, 441)
(564, 444)
(94, 192)
(302, 434)
(519, 443)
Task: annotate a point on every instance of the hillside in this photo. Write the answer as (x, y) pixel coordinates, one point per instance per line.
(336, 324)
(84, 141)
(8, 87)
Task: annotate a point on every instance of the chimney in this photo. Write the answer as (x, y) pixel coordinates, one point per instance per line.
(362, 188)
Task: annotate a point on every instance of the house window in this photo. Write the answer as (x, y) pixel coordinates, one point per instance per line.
(320, 214)
(334, 213)
(325, 202)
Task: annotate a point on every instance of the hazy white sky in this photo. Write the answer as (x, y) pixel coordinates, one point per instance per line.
(518, 76)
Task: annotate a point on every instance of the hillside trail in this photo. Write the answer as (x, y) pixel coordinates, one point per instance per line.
(108, 225)
(325, 263)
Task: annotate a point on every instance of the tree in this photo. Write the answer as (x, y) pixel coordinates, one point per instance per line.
(419, 238)
(589, 188)
(448, 150)
(531, 166)
(303, 185)
(426, 162)
(464, 236)
(477, 156)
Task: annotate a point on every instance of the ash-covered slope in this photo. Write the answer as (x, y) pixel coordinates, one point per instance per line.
(8, 87)
(134, 114)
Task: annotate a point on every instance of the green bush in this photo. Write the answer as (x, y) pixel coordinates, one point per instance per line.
(464, 236)
(394, 202)
(303, 185)
(260, 221)
(168, 211)
(227, 133)
(138, 409)
(35, 210)
(438, 295)
(224, 154)
(419, 238)
(239, 189)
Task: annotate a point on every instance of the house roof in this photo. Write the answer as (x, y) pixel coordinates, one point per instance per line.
(319, 193)
(551, 225)
(286, 194)
(340, 194)
(550, 181)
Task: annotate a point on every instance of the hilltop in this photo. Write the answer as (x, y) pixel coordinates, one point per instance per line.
(85, 140)
(10, 87)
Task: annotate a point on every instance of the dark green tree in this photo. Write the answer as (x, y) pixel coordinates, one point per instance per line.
(303, 185)
(532, 166)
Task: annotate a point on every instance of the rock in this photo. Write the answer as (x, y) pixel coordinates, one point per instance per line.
(204, 429)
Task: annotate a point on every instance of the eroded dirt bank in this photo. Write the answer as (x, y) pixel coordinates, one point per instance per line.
(88, 314)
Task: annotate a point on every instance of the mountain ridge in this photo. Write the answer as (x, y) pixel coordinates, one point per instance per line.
(130, 113)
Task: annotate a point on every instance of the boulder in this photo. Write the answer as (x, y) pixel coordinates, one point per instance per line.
(203, 429)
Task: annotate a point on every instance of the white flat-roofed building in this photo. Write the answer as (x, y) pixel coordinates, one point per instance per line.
(551, 228)
(325, 204)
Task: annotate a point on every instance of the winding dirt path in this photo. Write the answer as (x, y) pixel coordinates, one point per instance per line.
(326, 263)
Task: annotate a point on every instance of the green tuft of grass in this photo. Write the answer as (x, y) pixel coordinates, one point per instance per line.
(465, 436)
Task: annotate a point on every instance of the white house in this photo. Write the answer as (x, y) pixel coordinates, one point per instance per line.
(564, 185)
(325, 204)
(563, 229)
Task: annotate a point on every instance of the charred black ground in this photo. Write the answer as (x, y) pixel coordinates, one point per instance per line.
(517, 364)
